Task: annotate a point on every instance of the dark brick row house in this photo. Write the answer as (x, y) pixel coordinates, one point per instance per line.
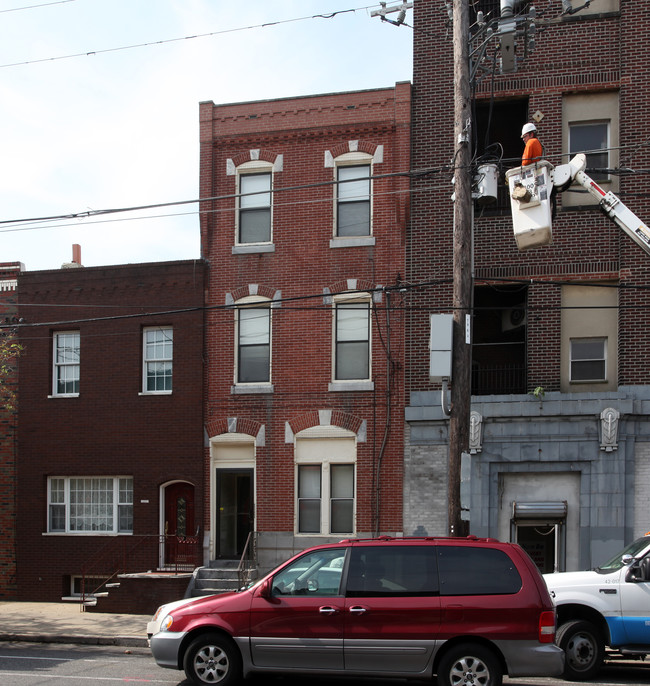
(109, 474)
(564, 470)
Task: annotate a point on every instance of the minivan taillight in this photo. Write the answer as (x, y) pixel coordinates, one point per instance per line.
(547, 627)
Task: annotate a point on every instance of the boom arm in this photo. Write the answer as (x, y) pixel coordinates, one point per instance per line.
(616, 210)
(530, 193)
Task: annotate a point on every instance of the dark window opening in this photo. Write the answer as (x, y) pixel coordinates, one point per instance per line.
(498, 139)
(499, 340)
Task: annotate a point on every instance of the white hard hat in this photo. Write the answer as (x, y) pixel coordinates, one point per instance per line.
(528, 128)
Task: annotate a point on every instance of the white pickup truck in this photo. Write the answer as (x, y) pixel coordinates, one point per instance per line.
(608, 607)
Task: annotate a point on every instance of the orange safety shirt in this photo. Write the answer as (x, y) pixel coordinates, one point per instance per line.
(532, 152)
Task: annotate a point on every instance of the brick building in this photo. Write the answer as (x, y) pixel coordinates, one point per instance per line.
(8, 318)
(303, 234)
(110, 424)
(564, 470)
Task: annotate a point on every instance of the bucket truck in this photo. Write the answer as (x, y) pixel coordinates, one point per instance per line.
(531, 189)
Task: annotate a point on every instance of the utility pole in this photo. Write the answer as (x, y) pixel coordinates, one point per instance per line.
(462, 264)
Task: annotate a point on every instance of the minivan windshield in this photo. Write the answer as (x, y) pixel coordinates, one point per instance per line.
(616, 562)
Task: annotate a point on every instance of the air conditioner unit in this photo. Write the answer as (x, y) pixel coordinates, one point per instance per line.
(513, 318)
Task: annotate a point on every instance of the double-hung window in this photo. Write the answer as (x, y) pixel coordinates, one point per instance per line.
(83, 505)
(352, 341)
(66, 365)
(254, 208)
(591, 138)
(254, 344)
(158, 354)
(325, 498)
(588, 359)
(353, 200)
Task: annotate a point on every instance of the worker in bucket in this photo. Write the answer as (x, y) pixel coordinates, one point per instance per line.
(533, 151)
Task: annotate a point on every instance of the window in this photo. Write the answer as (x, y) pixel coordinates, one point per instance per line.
(253, 344)
(476, 571)
(591, 138)
(315, 574)
(353, 200)
(337, 497)
(589, 338)
(352, 341)
(90, 505)
(396, 571)
(255, 208)
(588, 359)
(66, 363)
(158, 352)
(590, 124)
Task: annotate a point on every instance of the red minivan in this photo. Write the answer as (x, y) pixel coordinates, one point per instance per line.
(468, 610)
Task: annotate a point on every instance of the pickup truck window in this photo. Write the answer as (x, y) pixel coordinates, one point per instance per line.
(634, 549)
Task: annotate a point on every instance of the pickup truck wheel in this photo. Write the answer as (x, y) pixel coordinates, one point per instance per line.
(469, 664)
(584, 649)
(213, 659)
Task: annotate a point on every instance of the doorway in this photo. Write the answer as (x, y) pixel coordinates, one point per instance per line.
(180, 534)
(235, 511)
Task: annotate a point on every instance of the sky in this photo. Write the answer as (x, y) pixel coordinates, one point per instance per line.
(90, 123)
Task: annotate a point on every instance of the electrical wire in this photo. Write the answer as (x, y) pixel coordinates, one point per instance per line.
(209, 34)
(32, 7)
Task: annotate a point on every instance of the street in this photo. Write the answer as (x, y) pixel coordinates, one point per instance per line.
(39, 664)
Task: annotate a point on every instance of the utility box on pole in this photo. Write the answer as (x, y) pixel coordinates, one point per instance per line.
(440, 347)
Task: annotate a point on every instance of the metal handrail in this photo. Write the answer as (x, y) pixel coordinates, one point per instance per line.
(248, 560)
(121, 554)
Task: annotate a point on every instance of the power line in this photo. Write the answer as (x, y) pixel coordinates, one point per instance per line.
(32, 7)
(209, 34)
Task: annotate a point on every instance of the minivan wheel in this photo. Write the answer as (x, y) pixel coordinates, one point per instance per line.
(212, 659)
(584, 649)
(469, 664)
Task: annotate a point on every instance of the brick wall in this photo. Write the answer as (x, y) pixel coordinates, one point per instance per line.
(8, 419)
(587, 53)
(111, 428)
(301, 268)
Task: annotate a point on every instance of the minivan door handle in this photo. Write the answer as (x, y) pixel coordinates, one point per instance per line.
(358, 610)
(327, 610)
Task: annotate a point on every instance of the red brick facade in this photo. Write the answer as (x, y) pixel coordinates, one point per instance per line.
(111, 428)
(299, 271)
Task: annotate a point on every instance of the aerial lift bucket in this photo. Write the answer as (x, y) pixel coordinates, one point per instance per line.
(530, 201)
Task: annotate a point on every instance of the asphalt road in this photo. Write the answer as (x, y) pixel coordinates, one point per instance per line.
(38, 664)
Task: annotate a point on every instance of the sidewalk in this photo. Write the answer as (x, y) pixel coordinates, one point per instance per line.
(65, 623)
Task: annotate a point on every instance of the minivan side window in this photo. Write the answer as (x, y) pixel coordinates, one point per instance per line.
(476, 571)
(316, 574)
(392, 571)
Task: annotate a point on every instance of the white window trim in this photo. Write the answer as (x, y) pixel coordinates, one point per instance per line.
(245, 169)
(351, 384)
(144, 390)
(604, 359)
(56, 365)
(243, 387)
(66, 504)
(332, 456)
(352, 159)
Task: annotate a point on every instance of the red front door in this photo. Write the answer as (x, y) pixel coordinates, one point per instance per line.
(180, 532)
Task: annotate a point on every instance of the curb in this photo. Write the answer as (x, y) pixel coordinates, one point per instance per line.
(81, 639)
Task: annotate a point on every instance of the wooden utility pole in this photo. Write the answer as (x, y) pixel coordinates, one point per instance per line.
(462, 264)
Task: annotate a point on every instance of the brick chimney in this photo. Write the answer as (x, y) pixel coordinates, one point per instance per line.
(76, 258)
